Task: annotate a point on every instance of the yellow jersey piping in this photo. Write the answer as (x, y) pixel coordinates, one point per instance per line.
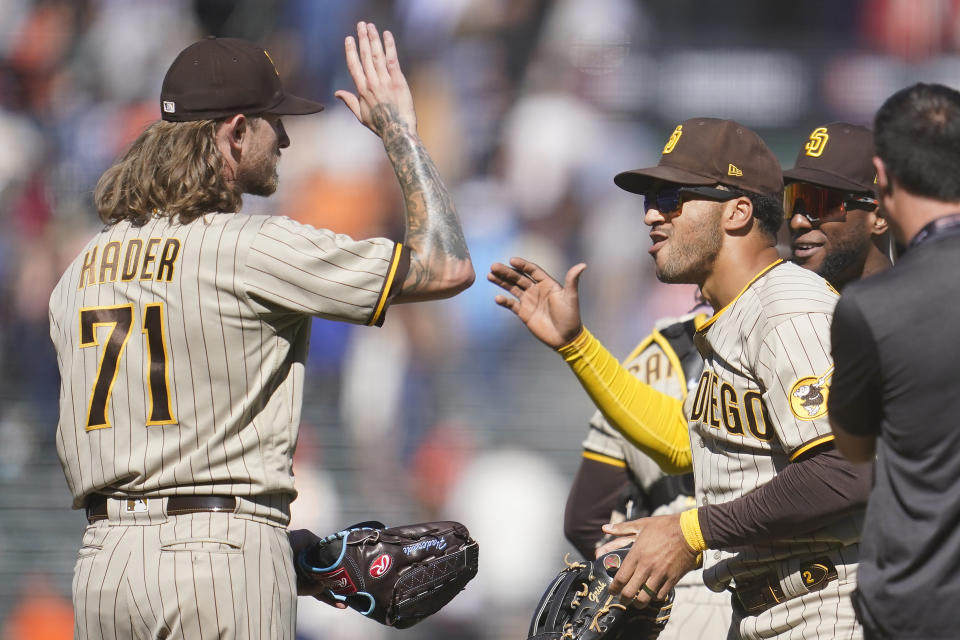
(387, 285)
(599, 457)
(742, 291)
(810, 445)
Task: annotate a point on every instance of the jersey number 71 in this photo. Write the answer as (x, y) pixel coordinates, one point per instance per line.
(120, 320)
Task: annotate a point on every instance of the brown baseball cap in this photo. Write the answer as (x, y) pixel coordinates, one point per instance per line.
(838, 155)
(706, 151)
(220, 77)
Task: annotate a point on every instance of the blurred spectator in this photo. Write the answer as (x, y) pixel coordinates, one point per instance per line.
(18, 442)
(21, 147)
(512, 501)
(339, 177)
(436, 466)
(911, 30)
(42, 612)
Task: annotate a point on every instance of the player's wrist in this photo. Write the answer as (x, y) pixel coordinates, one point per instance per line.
(397, 128)
(581, 339)
(690, 526)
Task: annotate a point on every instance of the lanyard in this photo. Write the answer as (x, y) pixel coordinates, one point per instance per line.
(936, 227)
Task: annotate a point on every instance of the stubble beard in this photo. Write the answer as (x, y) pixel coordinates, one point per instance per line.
(259, 177)
(692, 260)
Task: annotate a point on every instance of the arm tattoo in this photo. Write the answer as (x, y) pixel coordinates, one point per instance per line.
(433, 232)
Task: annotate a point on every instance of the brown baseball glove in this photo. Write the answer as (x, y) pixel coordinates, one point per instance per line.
(578, 605)
(399, 575)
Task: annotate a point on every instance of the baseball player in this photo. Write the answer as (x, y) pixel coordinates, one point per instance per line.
(778, 511)
(836, 232)
(181, 332)
(617, 481)
(836, 229)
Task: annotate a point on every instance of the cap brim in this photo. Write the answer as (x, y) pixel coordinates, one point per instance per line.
(641, 180)
(295, 106)
(823, 179)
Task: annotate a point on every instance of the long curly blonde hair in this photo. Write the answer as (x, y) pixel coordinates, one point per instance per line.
(172, 169)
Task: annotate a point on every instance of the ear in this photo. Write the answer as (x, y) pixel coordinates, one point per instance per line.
(878, 225)
(738, 214)
(231, 134)
(883, 183)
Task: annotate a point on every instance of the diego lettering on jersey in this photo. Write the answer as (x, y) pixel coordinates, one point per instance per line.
(135, 259)
(717, 404)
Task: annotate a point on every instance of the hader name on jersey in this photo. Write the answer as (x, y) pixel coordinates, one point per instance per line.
(130, 260)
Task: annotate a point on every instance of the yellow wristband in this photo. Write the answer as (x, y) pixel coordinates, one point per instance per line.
(579, 341)
(690, 525)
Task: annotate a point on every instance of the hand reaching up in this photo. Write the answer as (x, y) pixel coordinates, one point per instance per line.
(383, 96)
(550, 311)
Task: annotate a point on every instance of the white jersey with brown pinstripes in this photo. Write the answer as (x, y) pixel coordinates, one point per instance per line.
(760, 403)
(697, 611)
(181, 349)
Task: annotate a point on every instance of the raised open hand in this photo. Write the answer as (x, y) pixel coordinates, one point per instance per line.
(550, 311)
(383, 96)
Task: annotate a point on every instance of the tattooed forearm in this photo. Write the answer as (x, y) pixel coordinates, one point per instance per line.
(433, 231)
(383, 116)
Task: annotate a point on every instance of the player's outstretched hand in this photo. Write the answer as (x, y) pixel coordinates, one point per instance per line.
(382, 97)
(550, 311)
(658, 558)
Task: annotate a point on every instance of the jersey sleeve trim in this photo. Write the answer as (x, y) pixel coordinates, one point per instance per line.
(762, 273)
(599, 457)
(637, 350)
(813, 444)
(377, 317)
(667, 348)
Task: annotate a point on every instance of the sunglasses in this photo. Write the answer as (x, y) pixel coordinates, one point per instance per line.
(819, 205)
(669, 199)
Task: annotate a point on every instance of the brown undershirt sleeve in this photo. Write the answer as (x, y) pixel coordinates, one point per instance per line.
(596, 489)
(799, 499)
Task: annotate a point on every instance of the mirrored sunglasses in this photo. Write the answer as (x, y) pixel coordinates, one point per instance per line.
(819, 204)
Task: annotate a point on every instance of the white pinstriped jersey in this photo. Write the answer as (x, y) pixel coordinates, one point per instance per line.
(760, 403)
(181, 349)
(654, 362)
(697, 611)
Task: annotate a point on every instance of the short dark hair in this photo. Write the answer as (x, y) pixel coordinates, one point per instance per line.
(917, 136)
(767, 211)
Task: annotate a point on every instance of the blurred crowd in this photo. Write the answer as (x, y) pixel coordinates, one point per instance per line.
(529, 107)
